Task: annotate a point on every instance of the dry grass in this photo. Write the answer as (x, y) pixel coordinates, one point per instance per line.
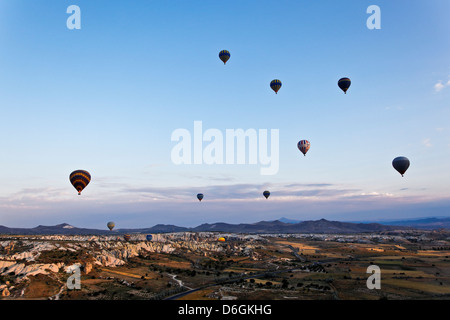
(301, 246)
(416, 285)
(433, 253)
(41, 287)
(199, 295)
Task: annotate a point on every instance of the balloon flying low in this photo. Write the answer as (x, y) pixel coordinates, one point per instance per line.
(344, 84)
(224, 55)
(401, 164)
(221, 239)
(149, 237)
(80, 179)
(266, 194)
(303, 146)
(111, 225)
(275, 85)
(200, 196)
(127, 237)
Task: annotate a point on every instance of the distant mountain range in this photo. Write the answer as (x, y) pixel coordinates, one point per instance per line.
(424, 223)
(282, 225)
(421, 223)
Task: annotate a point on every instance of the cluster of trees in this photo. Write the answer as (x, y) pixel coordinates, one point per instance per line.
(186, 272)
(67, 257)
(214, 265)
(440, 248)
(285, 284)
(172, 290)
(261, 284)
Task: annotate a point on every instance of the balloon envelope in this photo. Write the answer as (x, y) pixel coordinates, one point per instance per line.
(127, 237)
(224, 55)
(266, 194)
(200, 196)
(111, 225)
(344, 84)
(401, 164)
(80, 179)
(149, 237)
(303, 146)
(221, 239)
(275, 85)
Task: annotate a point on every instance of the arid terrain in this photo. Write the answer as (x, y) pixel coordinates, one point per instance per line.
(195, 266)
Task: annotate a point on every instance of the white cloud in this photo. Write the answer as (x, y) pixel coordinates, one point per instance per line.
(440, 85)
(427, 142)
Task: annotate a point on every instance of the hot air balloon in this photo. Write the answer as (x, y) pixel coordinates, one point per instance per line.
(221, 239)
(344, 84)
(127, 237)
(200, 196)
(149, 237)
(303, 146)
(80, 179)
(275, 85)
(224, 55)
(401, 164)
(266, 194)
(111, 225)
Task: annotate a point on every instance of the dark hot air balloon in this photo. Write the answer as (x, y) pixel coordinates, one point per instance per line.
(200, 196)
(344, 84)
(224, 55)
(80, 179)
(127, 237)
(149, 237)
(303, 146)
(266, 194)
(111, 225)
(275, 85)
(401, 164)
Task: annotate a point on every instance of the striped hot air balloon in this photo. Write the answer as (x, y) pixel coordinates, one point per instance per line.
(80, 179)
(224, 55)
(303, 146)
(110, 225)
(275, 85)
(127, 237)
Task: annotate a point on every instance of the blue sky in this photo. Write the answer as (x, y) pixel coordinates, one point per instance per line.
(107, 98)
